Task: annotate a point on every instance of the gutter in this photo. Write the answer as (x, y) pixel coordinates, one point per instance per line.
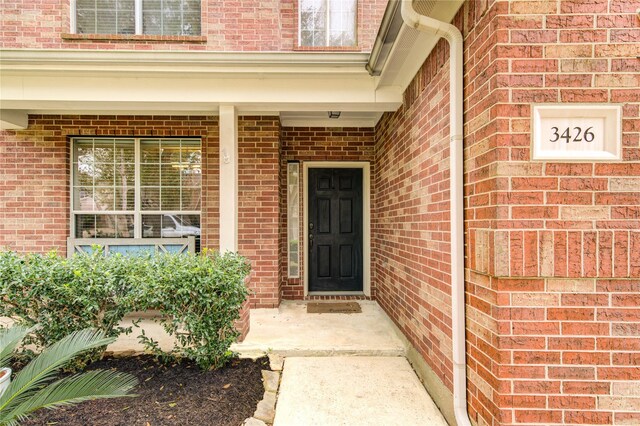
(75, 60)
(456, 64)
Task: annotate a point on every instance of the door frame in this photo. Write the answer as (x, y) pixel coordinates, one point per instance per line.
(366, 222)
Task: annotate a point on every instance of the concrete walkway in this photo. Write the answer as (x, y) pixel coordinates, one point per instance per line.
(340, 369)
(353, 391)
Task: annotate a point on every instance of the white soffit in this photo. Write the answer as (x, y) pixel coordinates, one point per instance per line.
(412, 47)
(321, 119)
(13, 119)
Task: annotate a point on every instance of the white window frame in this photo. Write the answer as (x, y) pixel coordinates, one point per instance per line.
(327, 33)
(137, 17)
(137, 212)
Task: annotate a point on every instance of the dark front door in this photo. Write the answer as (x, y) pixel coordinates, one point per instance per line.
(335, 229)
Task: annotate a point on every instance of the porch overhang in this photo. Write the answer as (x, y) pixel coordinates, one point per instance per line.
(196, 83)
(300, 87)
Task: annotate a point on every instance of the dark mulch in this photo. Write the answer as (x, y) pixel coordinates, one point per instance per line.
(174, 394)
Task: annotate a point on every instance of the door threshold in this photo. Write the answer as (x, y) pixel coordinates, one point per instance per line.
(336, 293)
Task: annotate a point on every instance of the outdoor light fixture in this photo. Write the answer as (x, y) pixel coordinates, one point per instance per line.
(334, 114)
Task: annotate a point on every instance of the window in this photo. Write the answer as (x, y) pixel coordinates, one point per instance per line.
(327, 22)
(293, 219)
(136, 188)
(154, 17)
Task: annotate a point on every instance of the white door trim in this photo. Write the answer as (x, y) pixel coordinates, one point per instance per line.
(366, 222)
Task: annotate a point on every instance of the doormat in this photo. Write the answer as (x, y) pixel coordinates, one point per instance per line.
(333, 308)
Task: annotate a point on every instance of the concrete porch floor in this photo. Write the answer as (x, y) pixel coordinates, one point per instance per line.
(290, 331)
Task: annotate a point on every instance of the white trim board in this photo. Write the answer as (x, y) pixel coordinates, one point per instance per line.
(366, 222)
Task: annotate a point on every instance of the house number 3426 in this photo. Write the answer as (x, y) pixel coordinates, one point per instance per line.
(578, 135)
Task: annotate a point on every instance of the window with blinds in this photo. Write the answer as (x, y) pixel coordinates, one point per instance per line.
(171, 17)
(153, 17)
(327, 22)
(105, 17)
(136, 188)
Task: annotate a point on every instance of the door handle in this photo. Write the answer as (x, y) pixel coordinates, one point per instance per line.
(310, 240)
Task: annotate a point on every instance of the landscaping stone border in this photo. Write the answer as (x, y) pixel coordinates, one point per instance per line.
(266, 410)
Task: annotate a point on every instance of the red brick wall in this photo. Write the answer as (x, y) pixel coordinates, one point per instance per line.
(229, 25)
(411, 215)
(552, 280)
(35, 196)
(553, 309)
(35, 168)
(258, 208)
(316, 144)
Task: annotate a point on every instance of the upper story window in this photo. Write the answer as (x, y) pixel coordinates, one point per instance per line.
(154, 17)
(327, 22)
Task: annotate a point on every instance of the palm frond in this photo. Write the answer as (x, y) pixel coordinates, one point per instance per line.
(74, 389)
(10, 338)
(45, 366)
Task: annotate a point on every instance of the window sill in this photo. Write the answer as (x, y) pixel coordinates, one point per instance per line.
(133, 37)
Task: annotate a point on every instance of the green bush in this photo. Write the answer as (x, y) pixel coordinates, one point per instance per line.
(199, 298)
(66, 295)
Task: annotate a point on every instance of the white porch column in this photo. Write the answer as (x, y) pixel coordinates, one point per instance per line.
(228, 178)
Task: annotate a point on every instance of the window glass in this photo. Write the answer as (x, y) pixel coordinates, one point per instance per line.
(171, 17)
(105, 17)
(170, 225)
(104, 226)
(159, 17)
(327, 22)
(104, 187)
(293, 218)
(104, 174)
(172, 176)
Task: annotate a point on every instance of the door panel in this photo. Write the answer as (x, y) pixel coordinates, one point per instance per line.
(335, 229)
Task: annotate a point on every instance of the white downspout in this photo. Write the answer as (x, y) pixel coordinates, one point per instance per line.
(454, 37)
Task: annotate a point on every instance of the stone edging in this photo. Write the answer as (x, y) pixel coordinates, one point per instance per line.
(266, 409)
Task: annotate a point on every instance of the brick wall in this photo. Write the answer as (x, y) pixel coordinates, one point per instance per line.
(553, 308)
(316, 144)
(34, 196)
(258, 208)
(248, 25)
(552, 280)
(35, 171)
(410, 217)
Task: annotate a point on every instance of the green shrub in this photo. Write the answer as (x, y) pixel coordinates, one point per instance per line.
(199, 299)
(66, 295)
